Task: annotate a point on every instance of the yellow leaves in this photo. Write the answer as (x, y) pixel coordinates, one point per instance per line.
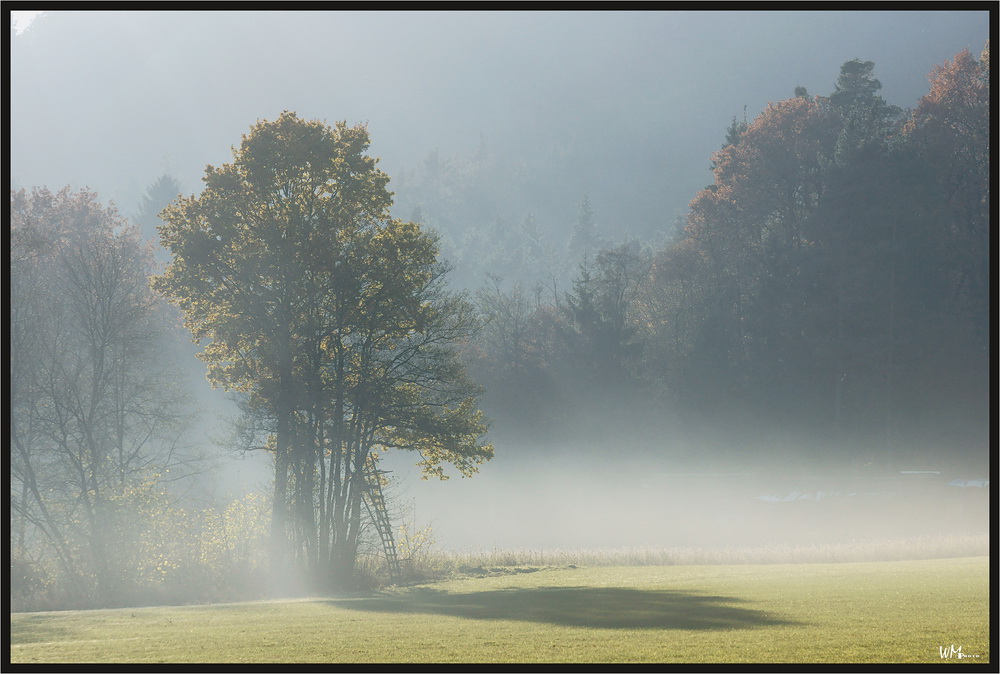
(237, 535)
(297, 209)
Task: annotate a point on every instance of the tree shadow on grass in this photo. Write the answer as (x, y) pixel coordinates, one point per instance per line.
(603, 608)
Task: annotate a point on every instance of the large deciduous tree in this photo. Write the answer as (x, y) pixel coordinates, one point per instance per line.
(331, 319)
(746, 239)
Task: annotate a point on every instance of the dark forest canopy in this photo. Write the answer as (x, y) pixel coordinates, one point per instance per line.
(833, 279)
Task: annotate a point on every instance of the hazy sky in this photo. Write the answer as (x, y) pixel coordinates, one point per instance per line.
(22, 19)
(625, 106)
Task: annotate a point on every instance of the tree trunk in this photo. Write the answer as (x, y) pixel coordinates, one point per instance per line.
(279, 508)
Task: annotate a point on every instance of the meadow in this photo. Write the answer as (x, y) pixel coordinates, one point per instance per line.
(914, 611)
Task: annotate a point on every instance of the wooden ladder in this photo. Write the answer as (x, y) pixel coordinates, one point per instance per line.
(375, 501)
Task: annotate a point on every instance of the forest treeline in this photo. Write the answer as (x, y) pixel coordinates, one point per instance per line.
(833, 280)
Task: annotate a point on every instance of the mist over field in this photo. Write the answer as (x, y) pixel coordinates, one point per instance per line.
(722, 279)
(638, 502)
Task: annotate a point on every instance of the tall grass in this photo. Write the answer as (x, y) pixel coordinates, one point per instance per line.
(437, 564)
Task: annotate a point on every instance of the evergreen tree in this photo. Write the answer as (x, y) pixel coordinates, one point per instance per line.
(584, 237)
(156, 197)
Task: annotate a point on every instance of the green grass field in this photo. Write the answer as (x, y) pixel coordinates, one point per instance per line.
(872, 612)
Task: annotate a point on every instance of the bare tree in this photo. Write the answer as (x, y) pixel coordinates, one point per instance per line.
(94, 410)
